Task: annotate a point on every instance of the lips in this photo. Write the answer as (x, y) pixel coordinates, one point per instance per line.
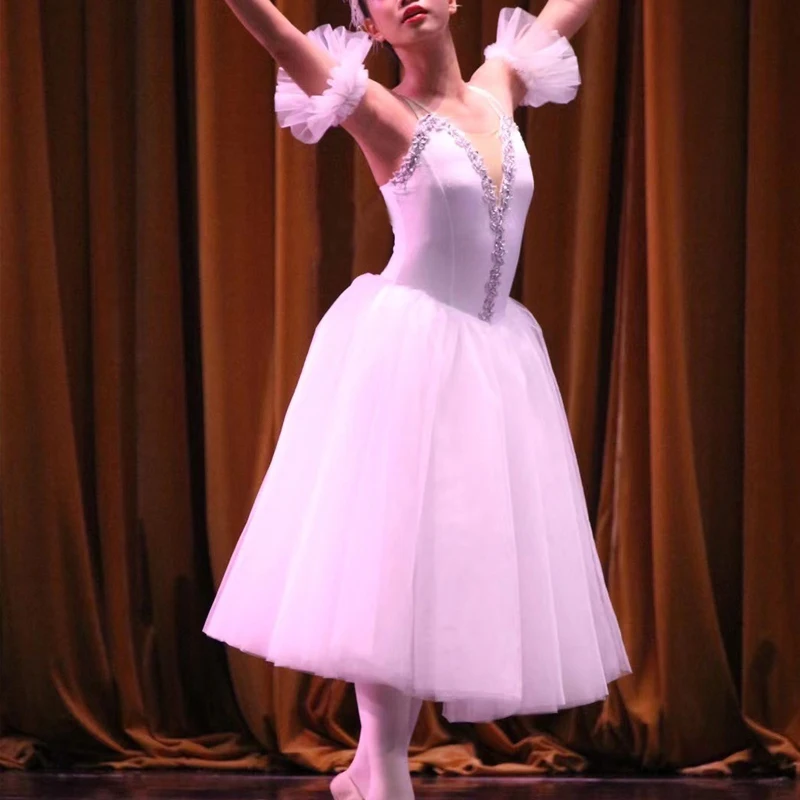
(414, 12)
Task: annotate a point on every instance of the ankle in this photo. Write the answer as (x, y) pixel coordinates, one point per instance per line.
(391, 785)
(359, 771)
(391, 771)
(360, 762)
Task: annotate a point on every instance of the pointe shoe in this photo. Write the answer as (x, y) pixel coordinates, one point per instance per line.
(343, 788)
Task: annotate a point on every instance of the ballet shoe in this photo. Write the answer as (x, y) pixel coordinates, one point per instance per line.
(343, 788)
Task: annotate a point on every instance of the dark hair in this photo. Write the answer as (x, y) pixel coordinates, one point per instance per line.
(365, 11)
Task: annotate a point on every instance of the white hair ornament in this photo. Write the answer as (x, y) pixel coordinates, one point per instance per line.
(356, 14)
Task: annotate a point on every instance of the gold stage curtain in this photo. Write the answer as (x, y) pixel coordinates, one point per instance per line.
(165, 254)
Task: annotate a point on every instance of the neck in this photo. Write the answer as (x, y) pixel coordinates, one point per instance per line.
(431, 72)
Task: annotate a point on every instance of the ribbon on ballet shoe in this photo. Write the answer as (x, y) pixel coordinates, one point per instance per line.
(343, 788)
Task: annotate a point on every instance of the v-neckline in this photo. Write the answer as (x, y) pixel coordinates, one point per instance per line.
(479, 157)
(496, 202)
(504, 134)
(499, 194)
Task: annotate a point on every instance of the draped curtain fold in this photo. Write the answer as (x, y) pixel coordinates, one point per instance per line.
(165, 254)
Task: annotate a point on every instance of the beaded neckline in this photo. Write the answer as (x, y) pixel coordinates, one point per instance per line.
(433, 121)
(497, 202)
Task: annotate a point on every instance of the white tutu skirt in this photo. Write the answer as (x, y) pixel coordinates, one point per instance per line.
(422, 523)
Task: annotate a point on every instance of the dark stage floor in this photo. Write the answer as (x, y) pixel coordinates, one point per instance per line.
(216, 786)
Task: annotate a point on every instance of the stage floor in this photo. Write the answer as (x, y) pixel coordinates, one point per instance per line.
(219, 786)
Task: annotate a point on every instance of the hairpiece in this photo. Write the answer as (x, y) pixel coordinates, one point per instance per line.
(356, 14)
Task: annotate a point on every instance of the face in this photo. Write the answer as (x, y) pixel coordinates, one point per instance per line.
(403, 23)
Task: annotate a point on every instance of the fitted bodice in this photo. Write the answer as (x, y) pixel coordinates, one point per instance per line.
(454, 238)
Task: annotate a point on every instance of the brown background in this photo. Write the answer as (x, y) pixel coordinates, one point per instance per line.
(166, 254)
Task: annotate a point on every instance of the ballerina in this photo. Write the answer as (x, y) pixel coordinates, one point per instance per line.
(422, 530)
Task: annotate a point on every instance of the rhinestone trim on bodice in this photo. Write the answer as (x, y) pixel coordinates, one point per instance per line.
(497, 205)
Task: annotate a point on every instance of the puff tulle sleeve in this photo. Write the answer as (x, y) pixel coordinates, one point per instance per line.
(543, 59)
(310, 116)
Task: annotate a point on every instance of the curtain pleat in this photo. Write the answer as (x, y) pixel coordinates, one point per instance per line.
(165, 255)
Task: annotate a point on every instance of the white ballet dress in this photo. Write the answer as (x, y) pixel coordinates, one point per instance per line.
(422, 522)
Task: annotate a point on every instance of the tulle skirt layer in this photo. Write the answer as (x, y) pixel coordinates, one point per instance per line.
(422, 522)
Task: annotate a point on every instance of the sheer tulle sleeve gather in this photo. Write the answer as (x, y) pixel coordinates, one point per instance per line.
(543, 59)
(310, 116)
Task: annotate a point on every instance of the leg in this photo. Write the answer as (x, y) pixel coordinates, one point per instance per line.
(386, 715)
(354, 782)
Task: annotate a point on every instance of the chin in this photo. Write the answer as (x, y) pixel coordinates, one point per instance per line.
(414, 32)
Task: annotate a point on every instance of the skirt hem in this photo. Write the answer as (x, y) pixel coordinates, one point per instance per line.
(438, 695)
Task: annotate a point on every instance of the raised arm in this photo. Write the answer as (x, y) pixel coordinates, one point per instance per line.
(566, 16)
(372, 114)
(306, 63)
(532, 62)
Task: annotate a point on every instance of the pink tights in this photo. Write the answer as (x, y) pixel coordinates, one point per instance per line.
(380, 768)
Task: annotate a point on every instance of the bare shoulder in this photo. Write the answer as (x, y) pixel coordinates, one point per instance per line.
(380, 110)
(382, 125)
(497, 77)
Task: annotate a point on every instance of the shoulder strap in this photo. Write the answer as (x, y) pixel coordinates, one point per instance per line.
(494, 102)
(411, 104)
